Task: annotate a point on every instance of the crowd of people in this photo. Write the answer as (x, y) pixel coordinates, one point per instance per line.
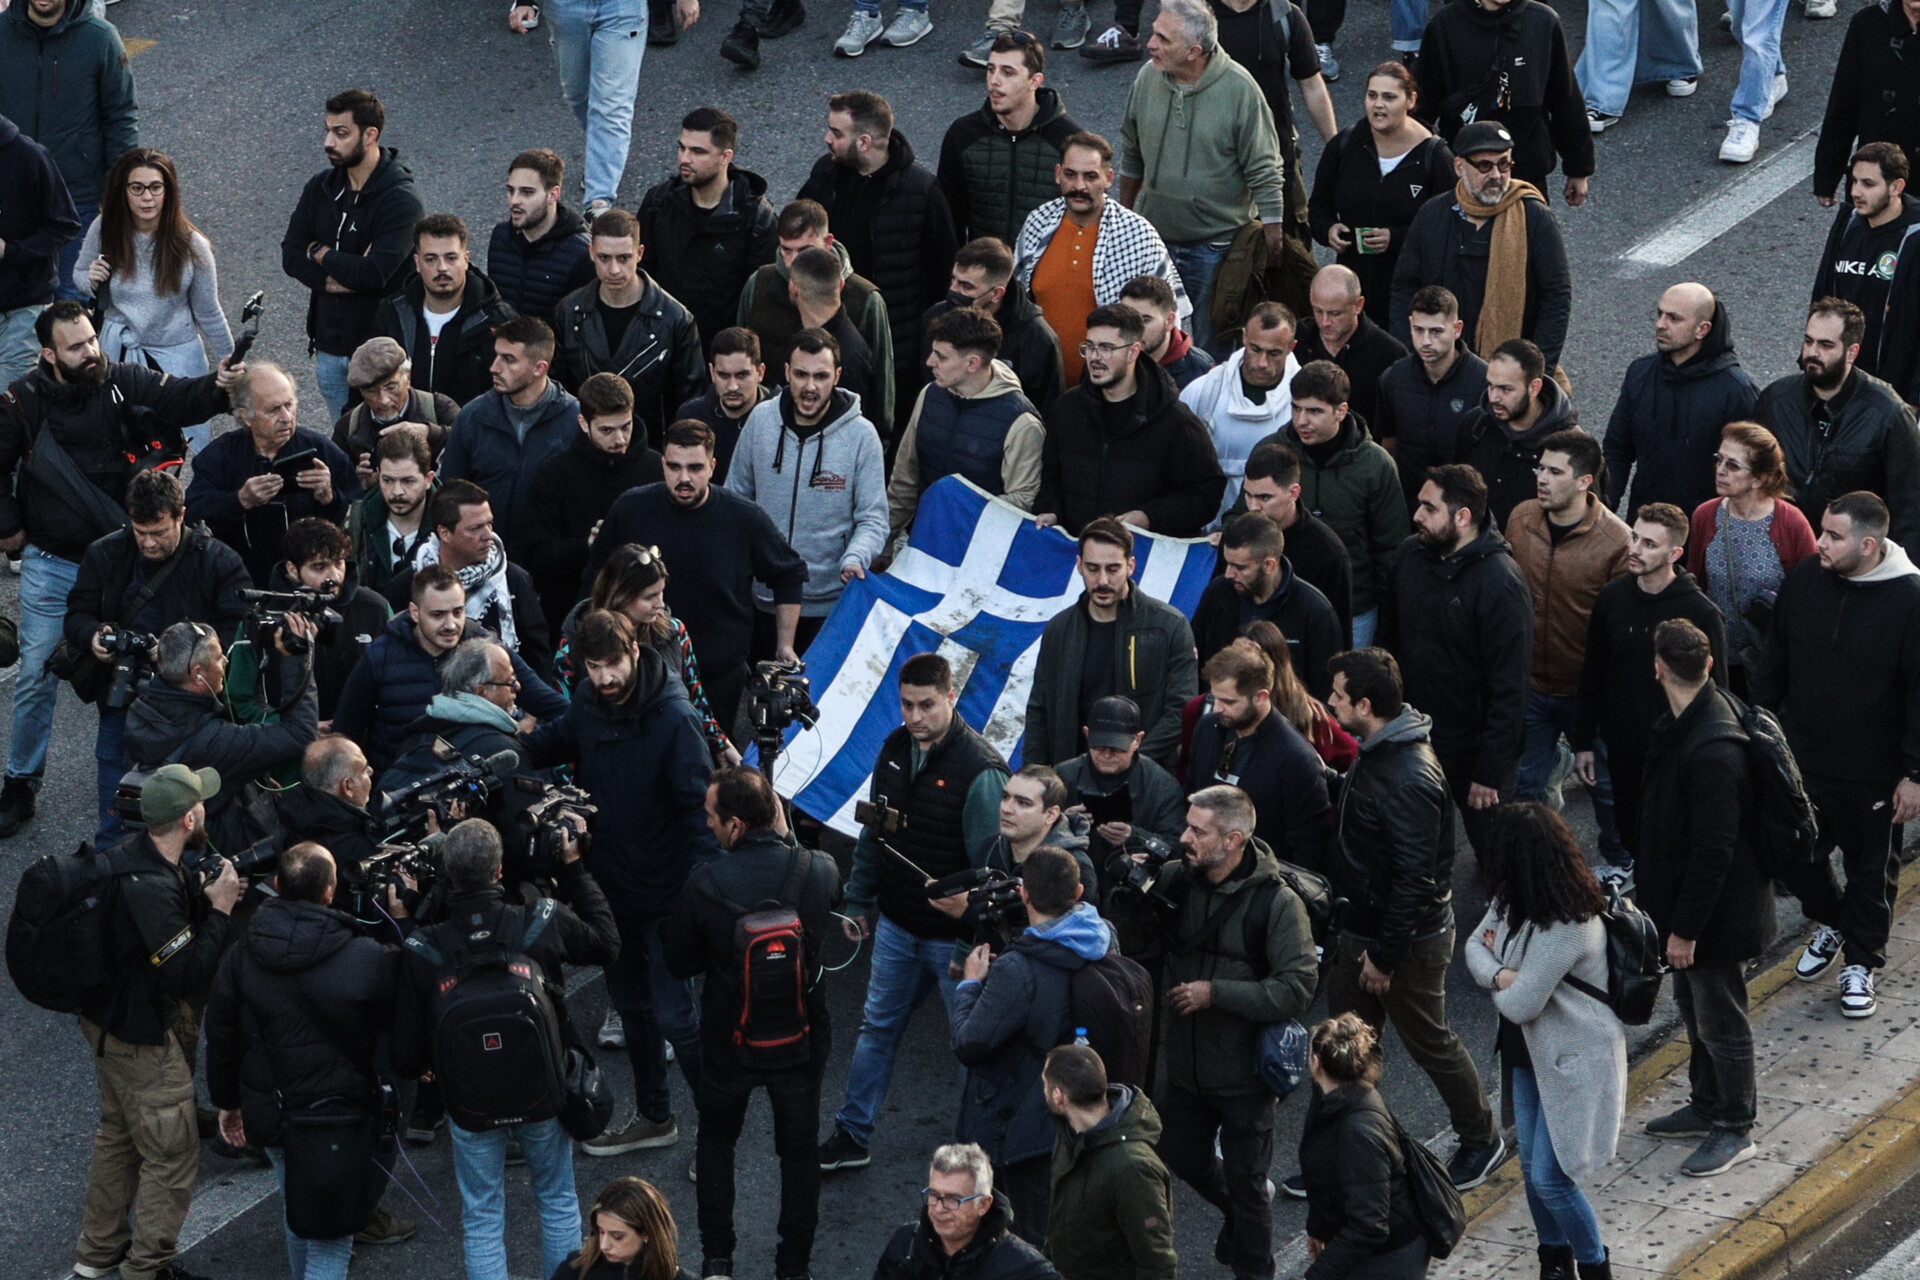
(399, 717)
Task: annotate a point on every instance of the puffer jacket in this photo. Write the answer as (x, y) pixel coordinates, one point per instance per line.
(1028, 344)
(703, 257)
(1153, 663)
(69, 87)
(1668, 420)
(1356, 491)
(36, 222)
(1504, 458)
(1111, 1213)
(1873, 445)
(484, 447)
(994, 177)
(204, 586)
(1393, 859)
(294, 1015)
(659, 354)
(1565, 577)
(460, 364)
(533, 275)
(994, 1253)
(1359, 1204)
(369, 237)
(1004, 1026)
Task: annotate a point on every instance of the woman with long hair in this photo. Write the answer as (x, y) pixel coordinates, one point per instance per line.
(1562, 1048)
(1361, 1222)
(151, 275)
(630, 1236)
(1741, 544)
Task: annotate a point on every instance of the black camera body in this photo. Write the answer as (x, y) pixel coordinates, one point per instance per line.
(1139, 876)
(268, 622)
(384, 869)
(543, 827)
(993, 897)
(128, 650)
(262, 858)
(779, 695)
(474, 783)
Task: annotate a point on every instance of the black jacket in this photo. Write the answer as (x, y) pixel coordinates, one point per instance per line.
(1305, 617)
(1444, 248)
(294, 1015)
(1280, 772)
(1393, 849)
(572, 491)
(220, 469)
(168, 939)
(898, 230)
(1462, 627)
(1367, 355)
(1511, 65)
(703, 258)
(1619, 698)
(357, 433)
(204, 586)
(1158, 801)
(1153, 664)
(1349, 188)
(1423, 417)
(1856, 251)
(1320, 558)
(994, 177)
(1358, 1201)
(1027, 343)
(1872, 445)
(1504, 458)
(532, 276)
(1695, 871)
(1668, 419)
(97, 427)
(1842, 666)
(1162, 461)
(1875, 95)
(994, 1253)
(368, 235)
(698, 937)
(460, 364)
(350, 833)
(364, 614)
(535, 645)
(36, 221)
(659, 355)
(705, 407)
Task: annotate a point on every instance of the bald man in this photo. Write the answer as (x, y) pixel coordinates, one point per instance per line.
(1666, 424)
(1341, 331)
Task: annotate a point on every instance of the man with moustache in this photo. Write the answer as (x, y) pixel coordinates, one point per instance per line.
(538, 254)
(1522, 408)
(1424, 397)
(383, 375)
(1870, 260)
(736, 384)
(444, 314)
(1840, 427)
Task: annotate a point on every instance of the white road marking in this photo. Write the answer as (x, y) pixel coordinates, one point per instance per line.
(1715, 214)
(1901, 1263)
(1290, 1259)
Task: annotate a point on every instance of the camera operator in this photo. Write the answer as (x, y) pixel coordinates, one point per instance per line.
(473, 714)
(330, 807)
(1007, 1012)
(318, 558)
(638, 748)
(760, 868)
(936, 787)
(1239, 953)
(168, 930)
(95, 424)
(182, 717)
(399, 672)
(1119, 789)
(294, 1017)
(581, 932)
(144, 579)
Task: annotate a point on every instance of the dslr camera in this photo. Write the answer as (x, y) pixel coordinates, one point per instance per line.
(262, 858)
(128, 651)
(1138, 874)
(267, 624)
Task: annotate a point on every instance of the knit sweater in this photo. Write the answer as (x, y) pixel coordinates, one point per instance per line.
(153, 320)
(1207, 154)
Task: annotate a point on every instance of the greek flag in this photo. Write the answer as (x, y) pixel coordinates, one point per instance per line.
(976, 584)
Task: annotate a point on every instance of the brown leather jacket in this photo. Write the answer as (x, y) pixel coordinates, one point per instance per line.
(1565, 577)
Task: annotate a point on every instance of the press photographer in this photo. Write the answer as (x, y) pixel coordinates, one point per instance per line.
(1032, 815)
(316, 577)
(292, 1025)
(1119, 789)
(329, 808)
(132, 585)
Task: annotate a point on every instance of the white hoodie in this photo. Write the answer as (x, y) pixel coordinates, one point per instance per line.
(1235, 422)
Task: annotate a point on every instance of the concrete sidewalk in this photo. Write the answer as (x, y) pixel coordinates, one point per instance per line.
(1839, 1122)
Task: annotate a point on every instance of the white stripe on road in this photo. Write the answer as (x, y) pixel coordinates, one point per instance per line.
(1715, 214)
(1901, 1263)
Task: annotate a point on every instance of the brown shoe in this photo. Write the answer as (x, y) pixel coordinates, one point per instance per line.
(386, 1228)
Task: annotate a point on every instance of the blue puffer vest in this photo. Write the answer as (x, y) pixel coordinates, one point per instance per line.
(958, 436)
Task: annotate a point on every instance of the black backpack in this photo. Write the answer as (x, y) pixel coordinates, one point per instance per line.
(1785, 828)
(769, 974)
(1111, 1000)
(499, 1050)
(1636, 961)
(60, 945)
(1436, 1204)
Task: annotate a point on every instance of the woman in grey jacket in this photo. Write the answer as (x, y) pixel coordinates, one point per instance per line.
(1564, 1051)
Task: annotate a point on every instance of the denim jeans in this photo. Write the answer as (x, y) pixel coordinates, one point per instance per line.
(1364, 626)
(1548, 717)
(906, 970)
(1757, 25)
(1407, 22)
(19, 345)
(70, 254)
(311, 1259)
(1235, 1181)
(1561, 1214)
(794, 1099)
(110, 764)
(1633, 42)
(652, 1003)
(1713, 1003)
(45, 580)
(1197, 261)
(480, 1167)
(598, 46)
(331, 373)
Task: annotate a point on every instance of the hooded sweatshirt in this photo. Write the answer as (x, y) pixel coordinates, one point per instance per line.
(824, 487)
(1505, 458)
(1236, 421)
(1878, 270)
(1112, 1215)
(36, 221)
(368, 235)
(964, 427)
(1207, 154)
(69, 87)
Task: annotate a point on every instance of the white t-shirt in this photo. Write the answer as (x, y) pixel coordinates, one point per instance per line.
(436, 321)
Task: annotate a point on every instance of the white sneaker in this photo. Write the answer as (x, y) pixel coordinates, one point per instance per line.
(1822, 949)
(1743, 140)
(613, 1032)
(1856, 992)
(1822, 8)
(1775, 94)
(1600, 121)
(862, 30)
(909, 26)
(1683, 87)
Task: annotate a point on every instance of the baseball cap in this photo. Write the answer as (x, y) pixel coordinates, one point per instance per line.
(1112, 723)
(171, 791)
(1482, 135)
(373, 362)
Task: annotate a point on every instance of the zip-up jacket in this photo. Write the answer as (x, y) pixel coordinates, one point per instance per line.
(659, 355)
(205, 586)
(169, 941)
(1153, 663)
(1304, 615)
(1619, 698)
(1422, 417)
(1368, 354)
(69, 87)
(1349, 188)
(1565, 575)
(36, 221)
(1872, 444)
(1505, 458)
(1356, 491)
(1393, 848)
(485, 448)
(374, 560)
(572, 491)
(533, 275)
(1028, 344)
(1443, 248)
(369, 238)
(256, 532)
(703, 257)
(1111, 1212)
(993, 176)
(1875, 95)
(460, 364)
(1280, 772)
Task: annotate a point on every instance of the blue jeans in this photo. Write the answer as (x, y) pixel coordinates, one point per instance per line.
(1633, 42)
(311, 1259)
(19, 345)
(1197, 261)
(652, 1003)
(1407, 21)
(70, 254)
(45, 581)
(1547, 718)
(1561, 1214)
(480, 1167)
(598, 46)
(1757, 25)
(906, 969)
(331, 373)
(110, 764)
(873, 6)
(1364, 626)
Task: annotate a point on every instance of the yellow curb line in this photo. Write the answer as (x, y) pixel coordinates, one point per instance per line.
(137, 46)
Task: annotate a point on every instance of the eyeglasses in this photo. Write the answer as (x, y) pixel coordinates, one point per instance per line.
(938, 1200)
(1721, 462)
(146, 188)
(1504, 165)
(513, 683)
(1105, 350)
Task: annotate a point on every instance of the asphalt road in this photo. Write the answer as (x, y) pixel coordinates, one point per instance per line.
(233, 91)
(1882, 1243)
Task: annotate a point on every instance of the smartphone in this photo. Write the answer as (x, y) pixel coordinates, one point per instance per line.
(294, 463)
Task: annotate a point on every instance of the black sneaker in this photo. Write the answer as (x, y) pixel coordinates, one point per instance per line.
(663, 27)
(742, 46)
(1294, 1188)
(842, 1151)
(1223, 1245)
(174, 1271)
(783, 19)
(1471, 1165)
(16, 806)
(1683, 1123)
(1722, 1150)
(717, 1269)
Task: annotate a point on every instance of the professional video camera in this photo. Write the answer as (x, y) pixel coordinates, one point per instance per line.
(129, 652)
(1138, 875)
(469, 781)
(385, 869)
(268, 621)
(779, 695)
(993, 897)
(542, 827)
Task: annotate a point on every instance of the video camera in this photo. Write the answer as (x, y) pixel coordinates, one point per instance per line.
(128, 651)
(1139, 875)
(385, 868)
(470, 781)
(543, 828)
(267, 624)
(779, 695)
(992, 895)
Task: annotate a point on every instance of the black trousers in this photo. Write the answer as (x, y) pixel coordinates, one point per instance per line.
(1235, 1181)
(795, 1100)
(1713, 1003)
(1857, 818)
(1028, 1188)
(1627, 763)
(1459, 770)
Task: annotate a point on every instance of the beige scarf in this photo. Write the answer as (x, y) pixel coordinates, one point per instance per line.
(1504, 308)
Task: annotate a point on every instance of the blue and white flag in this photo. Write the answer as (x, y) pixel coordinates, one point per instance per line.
(977, 584)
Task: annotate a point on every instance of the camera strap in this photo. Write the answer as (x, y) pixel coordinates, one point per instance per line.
(155, 581)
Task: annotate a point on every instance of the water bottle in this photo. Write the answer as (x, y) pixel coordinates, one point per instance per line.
(1080, 1038)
